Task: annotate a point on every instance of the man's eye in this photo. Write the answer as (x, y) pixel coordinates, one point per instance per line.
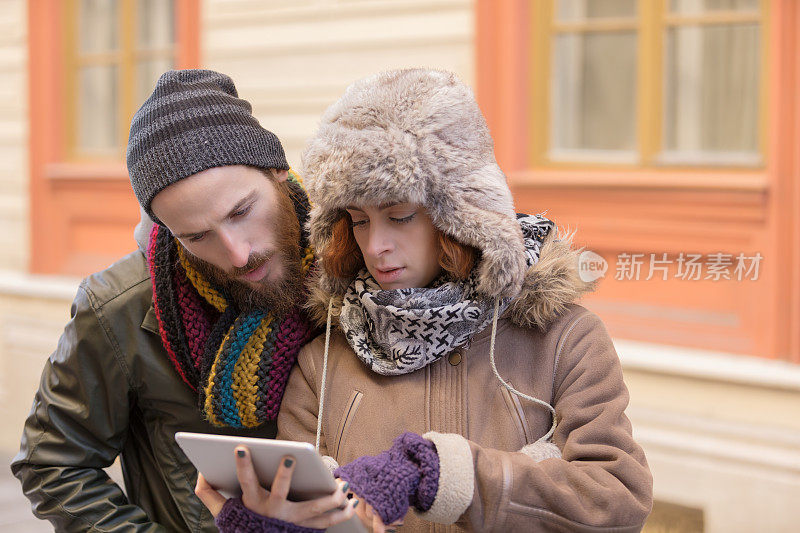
(241, 212)
(197, 238)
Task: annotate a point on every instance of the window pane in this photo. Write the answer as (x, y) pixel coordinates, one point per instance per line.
(156, 24)
(711, 89)
(588, 9)
(97, 109)
(693, 7)
(594, 91)
(98, 25)
(147, 73)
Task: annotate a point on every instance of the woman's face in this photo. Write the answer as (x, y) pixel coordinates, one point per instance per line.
(399, 243)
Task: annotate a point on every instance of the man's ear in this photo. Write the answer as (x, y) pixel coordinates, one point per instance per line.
(280, 175)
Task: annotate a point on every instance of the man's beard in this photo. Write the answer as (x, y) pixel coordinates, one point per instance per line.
(277, 296)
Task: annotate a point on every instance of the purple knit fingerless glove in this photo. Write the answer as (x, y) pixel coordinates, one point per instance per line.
(404, 475)
(236, 518)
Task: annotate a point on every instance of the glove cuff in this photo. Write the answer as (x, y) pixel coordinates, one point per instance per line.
(236, 517)
(406, 474)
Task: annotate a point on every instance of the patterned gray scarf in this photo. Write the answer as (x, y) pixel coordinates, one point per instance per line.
(402, 330)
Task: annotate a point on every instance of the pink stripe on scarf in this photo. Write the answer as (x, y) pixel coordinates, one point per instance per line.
(164, 341)
(196, 322)
(292, 335)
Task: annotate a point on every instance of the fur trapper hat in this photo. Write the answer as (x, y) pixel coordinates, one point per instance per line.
(416, 136)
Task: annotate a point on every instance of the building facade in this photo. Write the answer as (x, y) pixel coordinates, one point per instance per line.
(665, 134)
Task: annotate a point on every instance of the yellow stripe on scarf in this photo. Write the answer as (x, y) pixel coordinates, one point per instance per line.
(208, 407)
(202, 286)
(307, 260)
(245, 373)
(296, 177)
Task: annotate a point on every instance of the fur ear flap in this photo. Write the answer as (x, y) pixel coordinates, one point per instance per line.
(550, 285)
(320, 291)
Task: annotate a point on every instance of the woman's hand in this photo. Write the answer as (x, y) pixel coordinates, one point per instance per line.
(371, 520)
(320, 513)
(405, 475)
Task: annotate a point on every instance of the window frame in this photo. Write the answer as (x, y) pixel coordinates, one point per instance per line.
(124, 58)
(652, 23)
(82, 210)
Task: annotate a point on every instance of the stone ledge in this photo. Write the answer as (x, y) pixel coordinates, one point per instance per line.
(704, 364)
(38, 286)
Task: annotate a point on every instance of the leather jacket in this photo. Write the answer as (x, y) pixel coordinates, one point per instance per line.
(108, 391)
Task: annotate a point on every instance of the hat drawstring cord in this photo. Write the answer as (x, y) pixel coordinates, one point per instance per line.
(324, 372)
(511, 389)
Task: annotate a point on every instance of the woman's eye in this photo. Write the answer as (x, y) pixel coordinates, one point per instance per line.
(356, 223)
(197, 238)
(403, 220)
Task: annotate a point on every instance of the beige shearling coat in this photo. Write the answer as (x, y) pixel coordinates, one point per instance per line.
(494, 476)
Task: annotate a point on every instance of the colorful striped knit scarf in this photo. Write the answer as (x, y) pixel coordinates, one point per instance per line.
(237, 362)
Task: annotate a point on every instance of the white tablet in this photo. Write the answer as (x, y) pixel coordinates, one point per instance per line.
(213, 455)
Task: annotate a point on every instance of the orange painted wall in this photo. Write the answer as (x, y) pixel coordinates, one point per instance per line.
(82, 213)
(667, 210)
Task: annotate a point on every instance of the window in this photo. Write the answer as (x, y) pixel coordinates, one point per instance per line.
(92, 64)
(116, 49)
(593, 80)
(675, 162)
(673, 82)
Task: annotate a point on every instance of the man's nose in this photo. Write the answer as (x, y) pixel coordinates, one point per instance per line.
(236, 248)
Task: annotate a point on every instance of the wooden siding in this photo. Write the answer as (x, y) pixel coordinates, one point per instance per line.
(293, 59)
(13, 136)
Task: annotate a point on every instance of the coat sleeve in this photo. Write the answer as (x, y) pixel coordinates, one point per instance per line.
(77, 426)
(601, 481)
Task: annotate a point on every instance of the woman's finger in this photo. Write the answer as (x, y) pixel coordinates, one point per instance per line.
(377, 523)
(252, 491)
(332, 518)
(361, 512)
(283, 478)
(310, 509)
(210, 497)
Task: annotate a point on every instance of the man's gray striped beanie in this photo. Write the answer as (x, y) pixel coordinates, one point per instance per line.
(194, 121)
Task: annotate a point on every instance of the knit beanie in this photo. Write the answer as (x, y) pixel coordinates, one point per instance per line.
(194, 121)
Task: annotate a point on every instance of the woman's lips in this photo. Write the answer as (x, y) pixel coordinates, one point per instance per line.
(388, 275)
(257, 274)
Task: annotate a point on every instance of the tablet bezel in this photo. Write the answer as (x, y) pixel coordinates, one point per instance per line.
(213, 455)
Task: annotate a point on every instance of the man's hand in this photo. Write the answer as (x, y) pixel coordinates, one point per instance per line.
(320, 513)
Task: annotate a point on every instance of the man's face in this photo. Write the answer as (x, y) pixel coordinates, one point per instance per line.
(240, 229)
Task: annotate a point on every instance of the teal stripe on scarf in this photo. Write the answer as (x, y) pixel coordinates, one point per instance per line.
(243, 328)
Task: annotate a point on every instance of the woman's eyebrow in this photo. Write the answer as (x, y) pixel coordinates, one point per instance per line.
(381, 207)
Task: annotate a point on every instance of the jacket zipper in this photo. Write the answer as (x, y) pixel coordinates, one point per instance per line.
(349, 413)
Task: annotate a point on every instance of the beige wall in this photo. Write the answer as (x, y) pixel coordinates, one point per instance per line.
(721, 433)
(13, 135)
(292, 59)
(33, 312)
